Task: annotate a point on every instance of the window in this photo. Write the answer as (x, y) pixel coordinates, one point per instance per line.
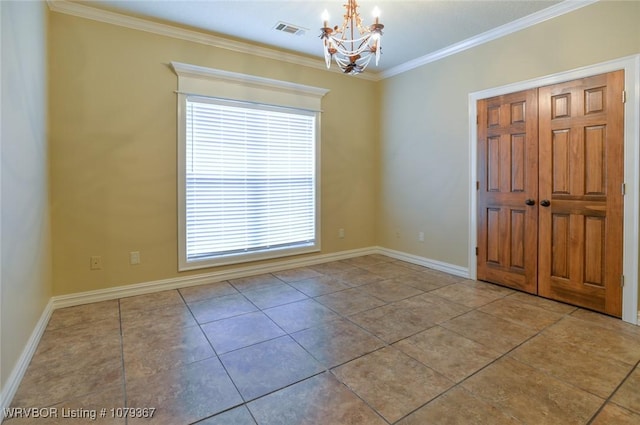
(248, 180)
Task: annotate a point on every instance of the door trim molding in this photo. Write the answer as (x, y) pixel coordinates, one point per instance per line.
(631, 66)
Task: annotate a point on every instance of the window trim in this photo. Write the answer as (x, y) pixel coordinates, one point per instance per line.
(206, 82)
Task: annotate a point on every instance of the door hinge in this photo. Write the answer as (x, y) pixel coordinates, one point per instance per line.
(476, 251)
(622, 281)
(624, 96)
(477, 185)
(477, 119)
(624, 189)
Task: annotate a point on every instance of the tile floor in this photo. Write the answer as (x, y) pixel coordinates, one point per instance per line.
(368, 340)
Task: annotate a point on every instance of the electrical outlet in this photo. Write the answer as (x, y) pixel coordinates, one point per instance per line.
(421, 237)
(134, 257)
(341, 233)
(95, 262)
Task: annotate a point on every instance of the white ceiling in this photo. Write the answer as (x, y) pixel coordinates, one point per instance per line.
(413, 29)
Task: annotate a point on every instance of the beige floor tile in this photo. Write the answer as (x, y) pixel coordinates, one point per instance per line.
(221, 308)
(300, 315)
(391, 382)
(357, 277)
(522, 314)
(317, 286)
(592, 337)
(62, 349)
(163, 318)
(274, 296)
(268, 366)
(367, 260)
(318, 400)
(531, 396)
(628, 395)
(71, 362)
(490, 331)
(415, 267)
(465, 294)
(337, 342)
(458, 407)
(349, 302)
(444, 279)
(612, 323)
(422, 281)
(587, 370)
(440, 309)
(148, 351)
(390, 290)
(209, 290)
(71, 316)
(241, 331)
(183, 395)
(149, 301)
(616, 415)
(396, 321)
(387, 270)
(448, 353)
(43, 387)
(236, 416)
(332, 267)
(550, 305)
(294, 275)
(251, 283)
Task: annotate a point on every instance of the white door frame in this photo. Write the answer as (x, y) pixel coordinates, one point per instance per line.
(631, 67)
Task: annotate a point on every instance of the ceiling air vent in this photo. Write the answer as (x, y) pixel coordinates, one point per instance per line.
(290, 29)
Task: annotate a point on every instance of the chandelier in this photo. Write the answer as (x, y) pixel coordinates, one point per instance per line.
(352, 45)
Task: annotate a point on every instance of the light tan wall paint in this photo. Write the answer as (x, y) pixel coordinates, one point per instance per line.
(113, 150)
(424, 135)
(26, 260)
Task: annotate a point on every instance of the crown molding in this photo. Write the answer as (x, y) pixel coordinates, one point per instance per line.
(114, 18)
(119, 19)
(551, 12)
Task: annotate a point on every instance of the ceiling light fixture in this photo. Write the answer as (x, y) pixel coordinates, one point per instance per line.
(352, 45)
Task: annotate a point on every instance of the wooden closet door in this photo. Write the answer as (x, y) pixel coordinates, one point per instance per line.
(581, 174)
(507, 190)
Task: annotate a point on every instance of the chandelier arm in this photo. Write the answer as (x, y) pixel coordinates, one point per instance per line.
(340, 42)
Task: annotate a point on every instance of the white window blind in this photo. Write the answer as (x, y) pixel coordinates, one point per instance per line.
(250, 179)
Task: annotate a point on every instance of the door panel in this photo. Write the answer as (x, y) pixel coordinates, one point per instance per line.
(507, 177)
(581, 174)
(559, 147)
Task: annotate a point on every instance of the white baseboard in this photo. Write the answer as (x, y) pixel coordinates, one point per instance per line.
(79, 298)
(13, 382)
(426, 262)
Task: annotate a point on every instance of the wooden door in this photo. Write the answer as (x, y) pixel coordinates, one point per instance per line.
(507, 190)
(580, 183)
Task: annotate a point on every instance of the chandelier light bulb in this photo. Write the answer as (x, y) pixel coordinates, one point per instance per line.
(376, 14)
(325, 17)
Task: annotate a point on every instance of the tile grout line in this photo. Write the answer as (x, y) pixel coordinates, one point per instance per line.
(459, 384)
(124, 371)
(217, 356)
(613, 393)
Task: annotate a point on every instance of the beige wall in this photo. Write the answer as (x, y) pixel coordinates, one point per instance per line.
(26, 266)
(425, 143)
(113, 150)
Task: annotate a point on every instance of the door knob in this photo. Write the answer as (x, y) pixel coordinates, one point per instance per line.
(545, 202)
(530, 202)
